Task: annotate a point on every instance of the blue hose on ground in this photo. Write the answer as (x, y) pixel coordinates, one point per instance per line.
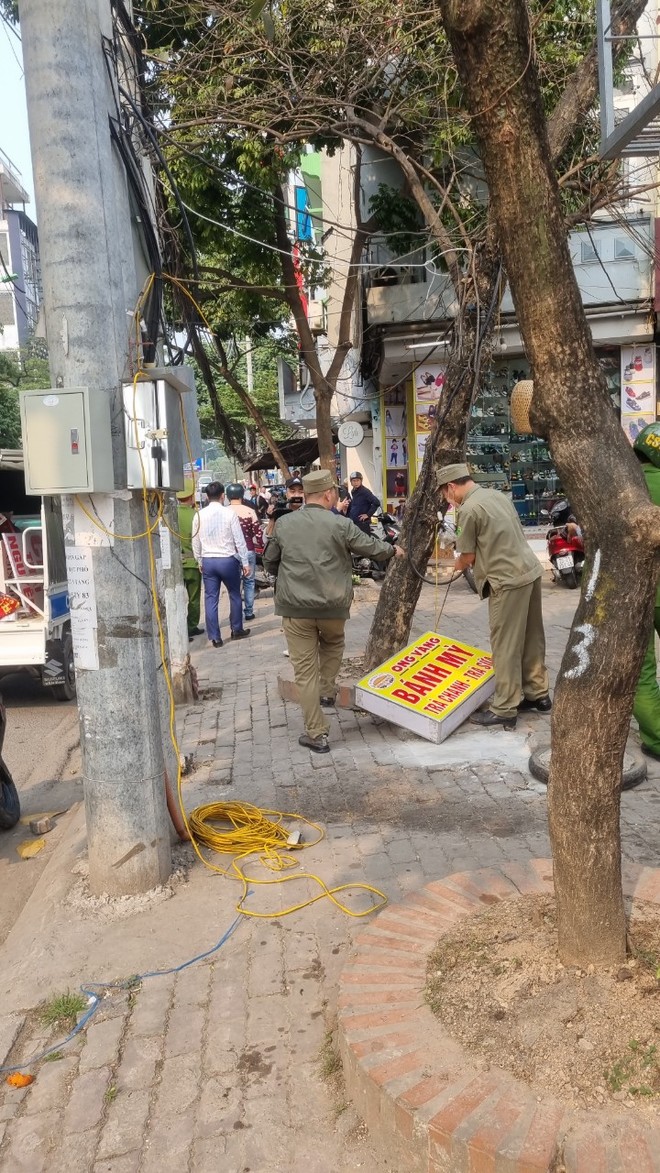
(95, 999)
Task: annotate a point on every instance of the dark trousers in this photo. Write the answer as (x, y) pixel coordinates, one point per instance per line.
(217, 572)
(193, 583)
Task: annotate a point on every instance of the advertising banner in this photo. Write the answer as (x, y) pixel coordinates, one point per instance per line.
(430, 687)
(637, 388)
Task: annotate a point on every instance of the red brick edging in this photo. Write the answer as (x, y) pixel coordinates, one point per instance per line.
(430, 1105)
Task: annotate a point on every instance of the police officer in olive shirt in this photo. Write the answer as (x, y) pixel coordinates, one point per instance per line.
(507, 573)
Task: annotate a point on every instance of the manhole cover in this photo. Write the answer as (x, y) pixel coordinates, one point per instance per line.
(634, 769)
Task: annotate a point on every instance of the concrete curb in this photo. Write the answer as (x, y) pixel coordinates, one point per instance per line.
(430, 1104)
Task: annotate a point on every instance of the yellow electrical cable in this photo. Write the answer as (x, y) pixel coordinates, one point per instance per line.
(124, 537)
(252, 832)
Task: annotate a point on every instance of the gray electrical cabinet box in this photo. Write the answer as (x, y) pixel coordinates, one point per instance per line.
(66, 441)
(155, 444)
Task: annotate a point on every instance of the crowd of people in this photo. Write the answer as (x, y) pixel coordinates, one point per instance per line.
(220, 542)
(307, 532)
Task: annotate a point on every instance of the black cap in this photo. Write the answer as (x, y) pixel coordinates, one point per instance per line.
(294, 483)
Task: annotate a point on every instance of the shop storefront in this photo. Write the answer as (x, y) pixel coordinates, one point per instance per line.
(498, 456)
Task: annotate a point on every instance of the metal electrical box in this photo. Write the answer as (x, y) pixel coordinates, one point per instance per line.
(66, 441)
(155, 445)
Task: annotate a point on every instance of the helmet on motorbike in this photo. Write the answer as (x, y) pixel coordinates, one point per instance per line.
(561, 513)
(647, 444)
(234, 492)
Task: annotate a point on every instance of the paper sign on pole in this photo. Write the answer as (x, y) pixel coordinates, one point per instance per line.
(430, 687)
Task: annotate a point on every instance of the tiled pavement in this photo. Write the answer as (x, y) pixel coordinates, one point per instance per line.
(217, 1068)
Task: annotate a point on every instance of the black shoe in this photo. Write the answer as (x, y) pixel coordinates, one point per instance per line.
(242, 634)
(247, 617)
(328, 702)
(650, 753)
(217, 643)
(490, 720)
(195, 631)
(316, 744)
(542, 705)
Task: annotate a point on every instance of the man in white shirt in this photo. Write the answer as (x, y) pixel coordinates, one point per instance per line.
(219, 547)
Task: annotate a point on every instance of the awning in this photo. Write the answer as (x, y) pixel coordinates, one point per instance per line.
(297, 453)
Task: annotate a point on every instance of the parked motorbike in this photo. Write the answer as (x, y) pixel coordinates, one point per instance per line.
(565, 545)
(10, 807)
(263, 581)
(387, 528)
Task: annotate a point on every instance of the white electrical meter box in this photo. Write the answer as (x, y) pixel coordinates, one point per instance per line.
(155, 448)
(67, 443)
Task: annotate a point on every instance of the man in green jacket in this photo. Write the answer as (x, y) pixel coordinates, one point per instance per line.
(646, 709)
(310, 552)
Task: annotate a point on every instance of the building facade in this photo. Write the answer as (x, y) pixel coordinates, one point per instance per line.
(20, 273)
(392, 383)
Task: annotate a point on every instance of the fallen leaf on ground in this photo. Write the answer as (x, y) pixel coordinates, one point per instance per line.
(19, 1080)
(30, 847)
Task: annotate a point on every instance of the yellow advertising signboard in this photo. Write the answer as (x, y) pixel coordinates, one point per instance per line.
(430, 687)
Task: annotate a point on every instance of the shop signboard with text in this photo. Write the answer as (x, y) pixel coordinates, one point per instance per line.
(430, 687)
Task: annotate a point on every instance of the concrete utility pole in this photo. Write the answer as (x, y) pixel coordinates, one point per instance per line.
(90, 292)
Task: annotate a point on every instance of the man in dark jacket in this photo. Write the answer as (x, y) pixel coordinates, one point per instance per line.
(310, 552)
(363, 503)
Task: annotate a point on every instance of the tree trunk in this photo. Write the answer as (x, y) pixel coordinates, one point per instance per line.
(472, 334)
(394, 613)
(323, 397)
(493, 49)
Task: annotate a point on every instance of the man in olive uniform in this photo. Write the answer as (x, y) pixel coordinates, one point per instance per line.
(507, 573)
(191, 572)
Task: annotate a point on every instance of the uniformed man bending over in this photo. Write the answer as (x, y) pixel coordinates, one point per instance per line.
(507, 573)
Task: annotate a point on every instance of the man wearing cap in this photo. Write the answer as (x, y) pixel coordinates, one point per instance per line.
(508, 574)
(191, 573)
(310, 552)
(363, 504)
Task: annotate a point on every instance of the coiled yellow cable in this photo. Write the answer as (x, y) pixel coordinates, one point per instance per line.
(242, 830)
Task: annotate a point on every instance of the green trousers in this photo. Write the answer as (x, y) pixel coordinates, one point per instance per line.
(517, 641)
(646, 709)
(193, 580)
(316, 647)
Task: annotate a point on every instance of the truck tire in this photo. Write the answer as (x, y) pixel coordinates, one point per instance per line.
(10, 805)
(66, 691)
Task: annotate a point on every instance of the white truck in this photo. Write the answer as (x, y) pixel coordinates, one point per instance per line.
(35, 623)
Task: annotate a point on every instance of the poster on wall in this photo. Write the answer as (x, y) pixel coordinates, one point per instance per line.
(633, 425)
(396, 451)
(395, 421)
(637, 388)
(396, 440)
(397, 484)
(425, 415)
(429, 383)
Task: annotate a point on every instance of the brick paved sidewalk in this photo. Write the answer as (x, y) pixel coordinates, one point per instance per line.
(220, 1068)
